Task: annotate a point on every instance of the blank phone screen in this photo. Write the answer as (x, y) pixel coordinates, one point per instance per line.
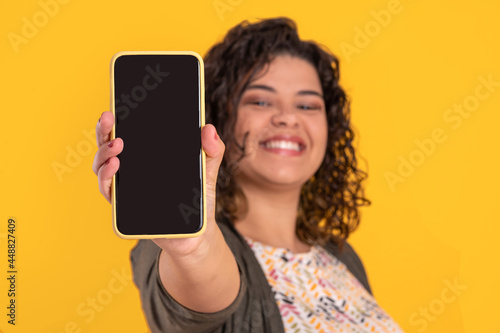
(158, 187)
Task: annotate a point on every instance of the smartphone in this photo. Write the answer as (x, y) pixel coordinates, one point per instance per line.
(157, 98)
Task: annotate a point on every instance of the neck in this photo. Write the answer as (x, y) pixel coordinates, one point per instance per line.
(271, 217)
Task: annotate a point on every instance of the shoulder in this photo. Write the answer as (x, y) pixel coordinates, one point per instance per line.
(348, 256)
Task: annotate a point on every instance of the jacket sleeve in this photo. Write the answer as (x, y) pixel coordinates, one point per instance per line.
(162, 312)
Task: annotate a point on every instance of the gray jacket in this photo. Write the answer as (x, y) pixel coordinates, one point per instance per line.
(253, 311)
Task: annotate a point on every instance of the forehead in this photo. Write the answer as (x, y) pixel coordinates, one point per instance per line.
(288, 72)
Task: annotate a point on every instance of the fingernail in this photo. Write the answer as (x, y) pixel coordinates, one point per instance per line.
(110, 143)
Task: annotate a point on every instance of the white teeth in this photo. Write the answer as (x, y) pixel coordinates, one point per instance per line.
(283, 145)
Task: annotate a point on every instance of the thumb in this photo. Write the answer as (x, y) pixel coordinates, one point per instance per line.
(214, 149)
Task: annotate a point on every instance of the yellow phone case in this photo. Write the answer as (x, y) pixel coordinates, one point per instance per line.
(203, 156)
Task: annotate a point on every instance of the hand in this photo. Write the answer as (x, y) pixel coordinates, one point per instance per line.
(106, 163)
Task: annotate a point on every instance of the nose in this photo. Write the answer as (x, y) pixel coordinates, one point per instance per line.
(284, 117)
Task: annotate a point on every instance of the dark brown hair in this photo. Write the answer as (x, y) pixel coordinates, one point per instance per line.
(328, 209)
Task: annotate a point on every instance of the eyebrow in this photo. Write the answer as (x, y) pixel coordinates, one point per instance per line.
(271, 89)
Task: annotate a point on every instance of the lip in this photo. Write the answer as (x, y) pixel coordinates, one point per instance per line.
(284, 137)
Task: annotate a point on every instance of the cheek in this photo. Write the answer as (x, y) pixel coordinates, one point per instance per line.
(240, 127)
(322, 141)
(320, 130)
(243, 125)
(254, 126)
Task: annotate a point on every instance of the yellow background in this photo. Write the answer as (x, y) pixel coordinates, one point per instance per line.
(437, 226)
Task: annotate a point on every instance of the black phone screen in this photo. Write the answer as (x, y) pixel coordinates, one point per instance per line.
(157, 105)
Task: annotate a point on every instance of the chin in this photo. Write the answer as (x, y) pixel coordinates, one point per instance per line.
(286, 179)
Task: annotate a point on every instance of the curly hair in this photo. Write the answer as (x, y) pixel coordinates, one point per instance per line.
(329, 201)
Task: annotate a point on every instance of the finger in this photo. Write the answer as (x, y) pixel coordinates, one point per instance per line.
(211, 143)
(104, 127)
(107, 150)
(105, 176)
(214, 150)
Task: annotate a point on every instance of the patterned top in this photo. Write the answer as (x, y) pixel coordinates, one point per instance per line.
(315, 292)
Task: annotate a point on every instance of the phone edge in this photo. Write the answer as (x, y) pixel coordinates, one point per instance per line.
(203, 155)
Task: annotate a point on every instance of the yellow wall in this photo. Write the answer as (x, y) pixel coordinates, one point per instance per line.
(429, 241)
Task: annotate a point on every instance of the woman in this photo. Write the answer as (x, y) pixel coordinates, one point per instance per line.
(274, 255)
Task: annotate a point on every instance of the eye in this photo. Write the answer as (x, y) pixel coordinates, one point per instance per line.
(260, 103)
(308, 107)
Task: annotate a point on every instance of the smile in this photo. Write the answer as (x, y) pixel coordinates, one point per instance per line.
(282, 144)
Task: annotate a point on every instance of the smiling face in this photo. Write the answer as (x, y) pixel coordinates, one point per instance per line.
(283, 112)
